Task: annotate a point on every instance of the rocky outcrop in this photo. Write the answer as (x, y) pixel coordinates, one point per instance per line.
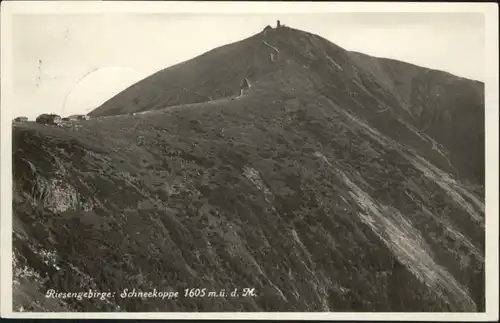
(244, 86)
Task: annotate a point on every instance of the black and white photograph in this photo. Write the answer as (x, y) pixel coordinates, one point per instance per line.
(160, 157)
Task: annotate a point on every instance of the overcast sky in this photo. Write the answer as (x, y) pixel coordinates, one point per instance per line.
(69, 64)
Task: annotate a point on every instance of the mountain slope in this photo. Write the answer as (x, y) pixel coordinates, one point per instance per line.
(437, 106)
(442, 106)
(316, 188)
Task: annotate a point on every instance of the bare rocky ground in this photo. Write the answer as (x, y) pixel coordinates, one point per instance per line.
(339, 182)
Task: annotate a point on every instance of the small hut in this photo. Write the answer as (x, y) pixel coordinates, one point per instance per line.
(21, 119)
(83, 117)
(76, 117)
(52, 119)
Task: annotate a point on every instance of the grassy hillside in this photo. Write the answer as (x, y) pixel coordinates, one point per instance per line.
(445, 107)
(302, 189)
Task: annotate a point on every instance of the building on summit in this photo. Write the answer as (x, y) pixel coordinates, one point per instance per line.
(267, 28)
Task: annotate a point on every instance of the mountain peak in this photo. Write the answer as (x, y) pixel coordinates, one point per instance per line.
(283, 61)
(215, 73)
